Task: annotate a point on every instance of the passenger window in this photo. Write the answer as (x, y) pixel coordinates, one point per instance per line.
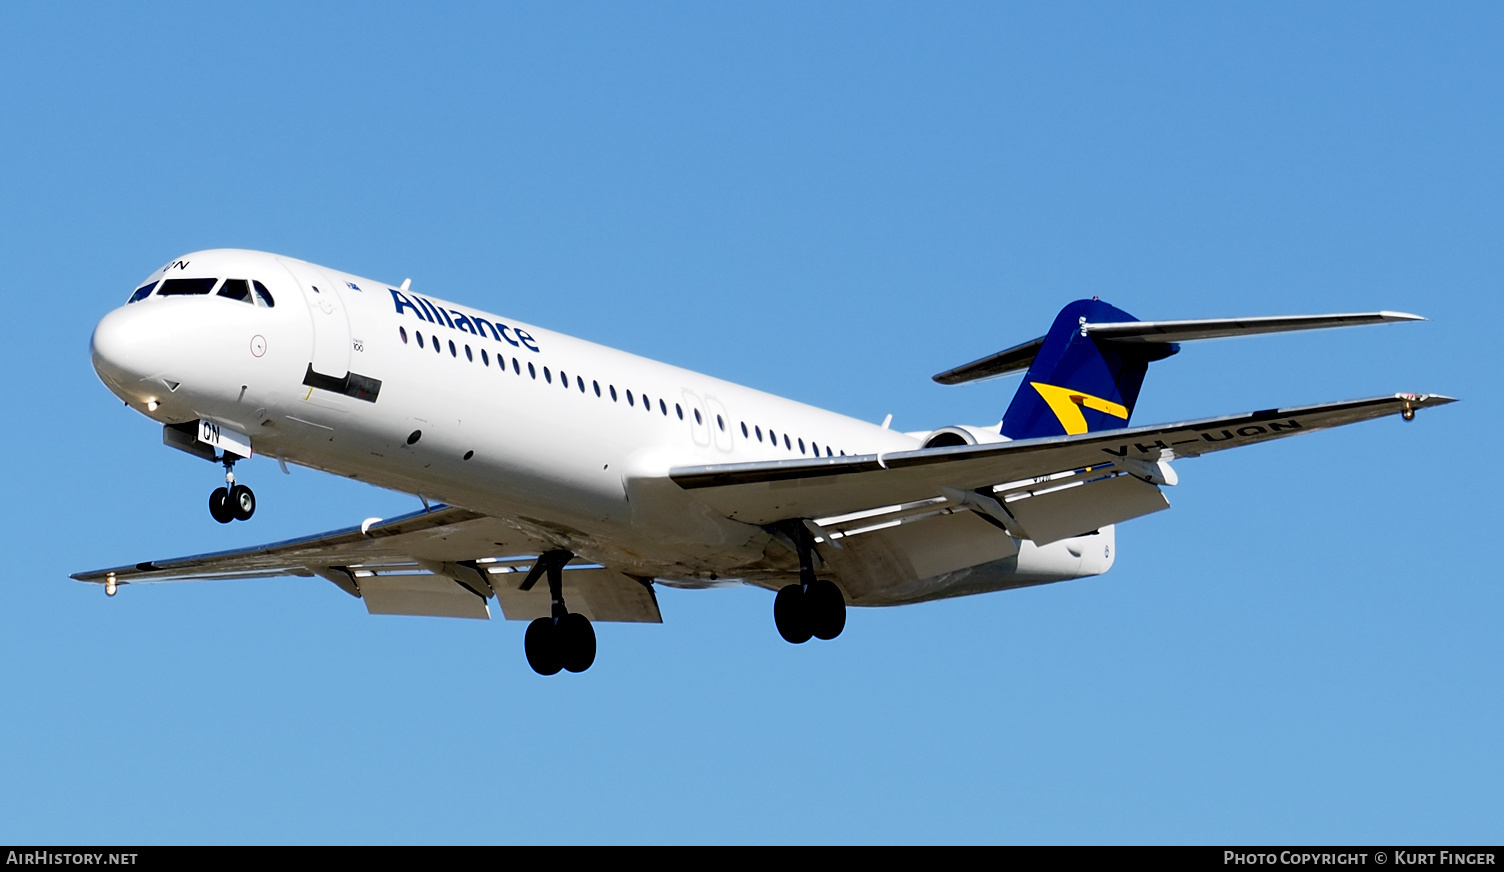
(801, 446)
(437, 349)
(419, 334)
(758, 430)
(236, 289)
(263, 294)
(402, 331)
(612, 388)
(698, 419)
(745, 434)
(453, 352)
(485, 359)
(597, 387)
(720, 423)
(547, 376)
(663, 407)
(186, 287)
(141, 293)
(581, 382)
(517, 367)
(531, 371)
(786, 443)
(680, 409)
(629, 398)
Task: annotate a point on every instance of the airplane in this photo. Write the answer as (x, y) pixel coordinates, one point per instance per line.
(605, 475)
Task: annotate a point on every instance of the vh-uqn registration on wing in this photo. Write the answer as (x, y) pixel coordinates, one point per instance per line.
(568, 481)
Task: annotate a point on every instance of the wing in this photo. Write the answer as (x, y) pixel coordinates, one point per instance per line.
(447, 562)
(1051, 487)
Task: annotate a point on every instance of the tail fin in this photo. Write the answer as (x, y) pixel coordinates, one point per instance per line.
(1079, 383)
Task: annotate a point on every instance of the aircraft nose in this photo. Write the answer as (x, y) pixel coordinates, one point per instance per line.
(129, 345)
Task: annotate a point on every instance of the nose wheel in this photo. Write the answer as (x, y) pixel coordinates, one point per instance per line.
(233, 502)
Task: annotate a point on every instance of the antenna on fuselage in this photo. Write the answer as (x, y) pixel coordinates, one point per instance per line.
(407, 283)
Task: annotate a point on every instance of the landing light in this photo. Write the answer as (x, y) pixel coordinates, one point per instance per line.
(151, 405)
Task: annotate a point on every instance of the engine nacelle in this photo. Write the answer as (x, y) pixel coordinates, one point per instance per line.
(960, 434)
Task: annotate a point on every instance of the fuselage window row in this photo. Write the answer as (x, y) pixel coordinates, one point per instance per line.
(647, 403)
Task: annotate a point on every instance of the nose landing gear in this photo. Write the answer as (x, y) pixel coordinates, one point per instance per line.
(233, 502)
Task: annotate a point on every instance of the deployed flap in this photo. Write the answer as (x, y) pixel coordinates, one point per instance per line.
(1084, 506)
(429, 595)
(771, 491)
(598, 593)
(914, 549)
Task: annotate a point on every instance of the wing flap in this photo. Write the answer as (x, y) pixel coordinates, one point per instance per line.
(768, 492)
(598, 593)
(1085, 506)
(424, 595)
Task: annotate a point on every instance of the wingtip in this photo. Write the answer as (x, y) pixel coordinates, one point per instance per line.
(1401, 316)
(1426, 399)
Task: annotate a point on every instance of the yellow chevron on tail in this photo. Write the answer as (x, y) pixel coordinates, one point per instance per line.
(1066, 404)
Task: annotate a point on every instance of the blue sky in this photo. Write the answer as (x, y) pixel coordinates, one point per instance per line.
(831, 202)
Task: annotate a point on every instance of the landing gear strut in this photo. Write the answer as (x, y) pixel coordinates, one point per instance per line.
(814, 606)
(564, 640)
(233, 502)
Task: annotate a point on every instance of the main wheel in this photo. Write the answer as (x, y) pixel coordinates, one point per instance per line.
(219, 506)
(576, 640)
(242, 502)
(542, 646)
(790, 614)
(826, 608)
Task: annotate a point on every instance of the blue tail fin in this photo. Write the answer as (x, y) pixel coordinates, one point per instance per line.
(1078, 384)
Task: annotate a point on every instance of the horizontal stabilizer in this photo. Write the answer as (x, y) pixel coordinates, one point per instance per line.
(1222, 328)
(1019, 357)
(1015, 359)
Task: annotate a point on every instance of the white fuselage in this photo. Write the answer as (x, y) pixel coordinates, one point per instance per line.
(569, 441)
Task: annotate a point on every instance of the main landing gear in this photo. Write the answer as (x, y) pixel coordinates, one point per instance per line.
(233, 502)
(814, 606)
(563, 640)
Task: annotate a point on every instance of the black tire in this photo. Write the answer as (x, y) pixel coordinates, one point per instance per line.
(790, 616)
(576, 642)
(242, 502)
(542, 646)
(219, 506)
(826, 608)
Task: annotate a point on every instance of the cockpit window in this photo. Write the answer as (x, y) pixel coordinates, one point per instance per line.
(186, 287)
(141, 293)
(263, 294)
(236, 289)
